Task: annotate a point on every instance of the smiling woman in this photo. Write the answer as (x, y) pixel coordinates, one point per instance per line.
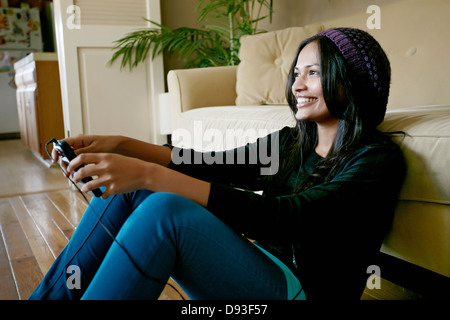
(311, 104)
(186, 220)
(354, 91)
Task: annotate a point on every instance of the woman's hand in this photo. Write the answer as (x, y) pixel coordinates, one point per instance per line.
(120, 145)
(92, 144)
(120, 174)
(117, 173)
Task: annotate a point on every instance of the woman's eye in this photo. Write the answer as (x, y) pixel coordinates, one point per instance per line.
(296, 75)
(314, 72)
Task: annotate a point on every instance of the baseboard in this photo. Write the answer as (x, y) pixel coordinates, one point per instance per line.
(431, 285)
(10, 136)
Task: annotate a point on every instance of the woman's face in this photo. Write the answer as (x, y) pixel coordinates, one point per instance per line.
(307, 87)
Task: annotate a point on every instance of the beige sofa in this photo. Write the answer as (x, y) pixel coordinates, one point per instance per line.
(207, 103)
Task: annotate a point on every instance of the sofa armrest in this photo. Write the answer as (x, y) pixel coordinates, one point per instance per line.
(201, 87)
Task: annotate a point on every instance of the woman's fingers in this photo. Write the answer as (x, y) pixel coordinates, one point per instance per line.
(84, 159)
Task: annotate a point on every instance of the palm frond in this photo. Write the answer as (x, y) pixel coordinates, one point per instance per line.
(216, 43)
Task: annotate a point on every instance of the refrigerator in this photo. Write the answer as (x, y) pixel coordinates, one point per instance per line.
(20, 34)
(20, 29)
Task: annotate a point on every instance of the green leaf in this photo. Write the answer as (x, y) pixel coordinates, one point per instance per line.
(215, 43)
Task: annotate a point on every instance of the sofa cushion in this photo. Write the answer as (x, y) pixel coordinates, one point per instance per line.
(419, 233)
(261, 78)
(427, 150)
(220, 128)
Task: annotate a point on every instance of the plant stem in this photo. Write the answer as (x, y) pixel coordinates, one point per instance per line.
(232, 45)
(255, 29)
(253, 10)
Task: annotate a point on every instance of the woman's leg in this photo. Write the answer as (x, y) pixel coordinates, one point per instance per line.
(88, 245)
(170, 235)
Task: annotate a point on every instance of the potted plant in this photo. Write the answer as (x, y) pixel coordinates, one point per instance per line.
(215, 44)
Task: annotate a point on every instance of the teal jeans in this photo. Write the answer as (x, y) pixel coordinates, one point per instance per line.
(154, 236)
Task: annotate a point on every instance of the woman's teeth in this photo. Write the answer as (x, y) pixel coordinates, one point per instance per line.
(304, 100)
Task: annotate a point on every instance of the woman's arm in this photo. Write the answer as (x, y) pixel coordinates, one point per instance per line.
(120, 145)
(145, 151)
(161, 179)
(120, 174)
(124, 164)
(246, 167)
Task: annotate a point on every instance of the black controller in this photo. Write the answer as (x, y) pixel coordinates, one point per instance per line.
(66, 153)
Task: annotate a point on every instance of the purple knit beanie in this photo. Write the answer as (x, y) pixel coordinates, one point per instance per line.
(368, 68)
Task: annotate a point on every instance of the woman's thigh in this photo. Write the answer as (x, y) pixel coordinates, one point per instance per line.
(89, 244)
(168, 235)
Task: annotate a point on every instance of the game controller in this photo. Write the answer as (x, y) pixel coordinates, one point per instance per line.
(66, 153)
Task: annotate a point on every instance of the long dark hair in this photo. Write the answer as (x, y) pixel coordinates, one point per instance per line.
(352, 132)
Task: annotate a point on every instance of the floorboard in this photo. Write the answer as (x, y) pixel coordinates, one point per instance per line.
(38, 243)
(21, 172)
(8, 288)
(24, 267)
(48, 221)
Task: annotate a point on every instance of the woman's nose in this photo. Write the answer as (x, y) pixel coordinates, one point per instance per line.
(299, 84)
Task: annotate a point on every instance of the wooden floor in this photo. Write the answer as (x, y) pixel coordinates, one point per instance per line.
(39, 212)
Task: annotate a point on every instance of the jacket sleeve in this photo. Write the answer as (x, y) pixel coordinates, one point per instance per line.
(243, 167)
(367, 185)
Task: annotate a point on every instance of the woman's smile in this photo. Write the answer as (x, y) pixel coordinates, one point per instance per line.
(305, 101)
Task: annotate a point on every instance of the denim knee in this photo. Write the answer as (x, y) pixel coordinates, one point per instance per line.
(164, 205)
(162, 215)
(168, 201)
(158, 214)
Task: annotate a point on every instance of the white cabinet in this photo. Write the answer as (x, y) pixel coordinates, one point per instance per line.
(99, 98)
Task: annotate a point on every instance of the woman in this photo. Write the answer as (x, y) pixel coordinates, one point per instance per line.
(318, 224)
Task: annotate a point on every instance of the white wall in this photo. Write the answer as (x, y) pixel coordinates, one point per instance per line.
(287, 13)
(9, 120)
(290, 13)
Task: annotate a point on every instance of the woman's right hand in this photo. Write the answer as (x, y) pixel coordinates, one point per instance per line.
(91, 144)
(122, 145)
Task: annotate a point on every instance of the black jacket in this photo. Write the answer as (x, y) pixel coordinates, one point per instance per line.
(329, 234)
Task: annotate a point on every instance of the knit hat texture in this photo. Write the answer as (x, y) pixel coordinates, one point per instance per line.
(368, 68)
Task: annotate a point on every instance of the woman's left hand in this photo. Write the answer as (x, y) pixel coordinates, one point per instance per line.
(118, 174)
